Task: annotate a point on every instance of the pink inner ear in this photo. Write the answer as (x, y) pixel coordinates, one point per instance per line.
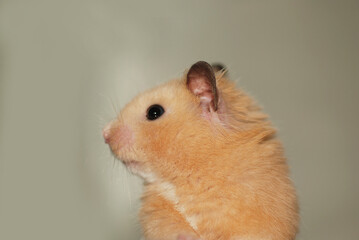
(199, 86)
(201, 81)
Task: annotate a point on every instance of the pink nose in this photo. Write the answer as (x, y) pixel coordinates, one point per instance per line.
(106, 132)
(117, 135)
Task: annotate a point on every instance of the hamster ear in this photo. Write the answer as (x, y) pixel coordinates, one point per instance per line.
(201, 81)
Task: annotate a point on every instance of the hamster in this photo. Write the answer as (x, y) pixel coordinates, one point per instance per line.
(212, 165)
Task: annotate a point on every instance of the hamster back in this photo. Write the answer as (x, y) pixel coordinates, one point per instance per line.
(211, 162)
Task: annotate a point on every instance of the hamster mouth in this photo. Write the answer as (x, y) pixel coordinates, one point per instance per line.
(132, 165)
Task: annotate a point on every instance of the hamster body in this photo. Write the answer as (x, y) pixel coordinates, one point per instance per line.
(212, 165)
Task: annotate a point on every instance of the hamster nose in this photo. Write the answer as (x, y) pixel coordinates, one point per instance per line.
(117, 135)
(106, 132)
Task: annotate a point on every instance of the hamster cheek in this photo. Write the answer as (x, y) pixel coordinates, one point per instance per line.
(125, 136)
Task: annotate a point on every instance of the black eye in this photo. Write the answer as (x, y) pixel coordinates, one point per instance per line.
(154, 112)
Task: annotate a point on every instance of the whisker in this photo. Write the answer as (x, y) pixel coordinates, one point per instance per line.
(109, 101)
(120, 117)
(113, 106)
(114, 163)
(128, 189)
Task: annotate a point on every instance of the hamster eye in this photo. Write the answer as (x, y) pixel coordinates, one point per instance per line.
(154, 111)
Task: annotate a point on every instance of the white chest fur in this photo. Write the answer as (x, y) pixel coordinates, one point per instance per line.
(168, 191)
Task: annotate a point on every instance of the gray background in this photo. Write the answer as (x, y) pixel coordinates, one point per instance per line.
(66, 67)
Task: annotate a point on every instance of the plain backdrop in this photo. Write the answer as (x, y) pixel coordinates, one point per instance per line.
(67, 67)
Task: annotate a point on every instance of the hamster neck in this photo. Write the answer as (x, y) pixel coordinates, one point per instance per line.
(188, 197)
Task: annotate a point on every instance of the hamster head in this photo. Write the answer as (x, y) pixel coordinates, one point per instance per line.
(179, 127)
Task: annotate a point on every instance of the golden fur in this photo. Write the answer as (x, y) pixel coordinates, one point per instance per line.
(222, 177)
